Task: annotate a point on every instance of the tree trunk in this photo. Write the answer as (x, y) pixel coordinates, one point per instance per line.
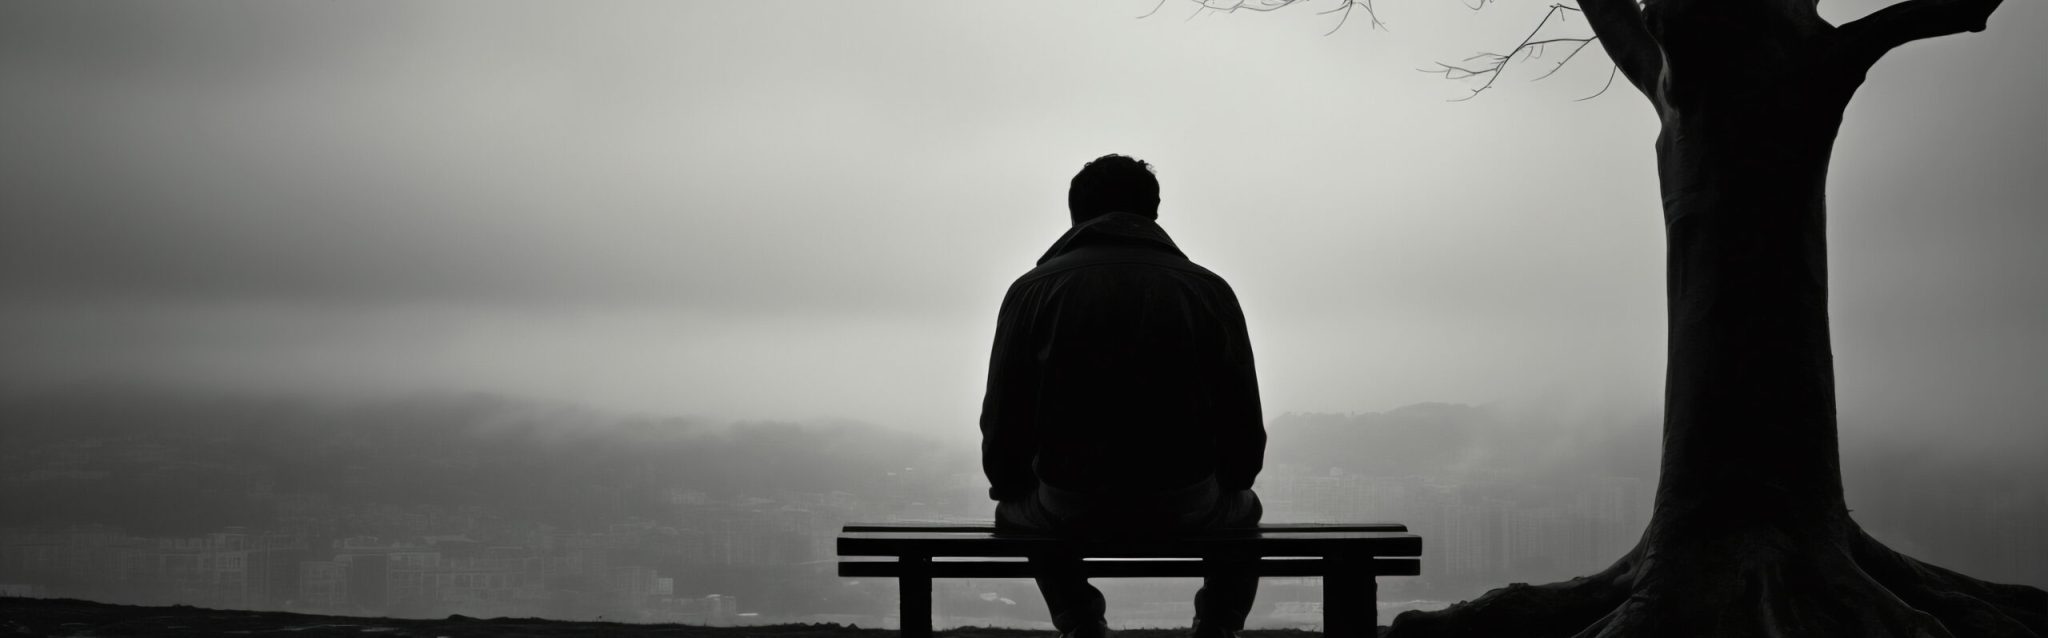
(1751, 535)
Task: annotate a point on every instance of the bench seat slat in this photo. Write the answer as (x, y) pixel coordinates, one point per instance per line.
(986, 528)
(1005, 545)
(1127, 568)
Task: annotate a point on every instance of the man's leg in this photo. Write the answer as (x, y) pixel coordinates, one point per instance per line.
(1224, 601)
(1077, 607)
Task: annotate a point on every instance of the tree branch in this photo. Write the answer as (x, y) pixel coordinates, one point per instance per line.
(1530, 48)
(1263, 6)
(1871, 36)
(1619, 24)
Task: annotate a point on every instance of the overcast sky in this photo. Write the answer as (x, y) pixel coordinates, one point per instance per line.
(793, 210)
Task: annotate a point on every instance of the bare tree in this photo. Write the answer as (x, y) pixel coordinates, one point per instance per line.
(1750, 535)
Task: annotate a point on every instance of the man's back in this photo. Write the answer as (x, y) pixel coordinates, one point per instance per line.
(1120, 367)
(1121, 398)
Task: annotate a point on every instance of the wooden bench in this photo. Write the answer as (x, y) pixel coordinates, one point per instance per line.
(1347, 557)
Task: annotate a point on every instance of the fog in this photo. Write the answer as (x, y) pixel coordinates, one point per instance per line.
(798, 211)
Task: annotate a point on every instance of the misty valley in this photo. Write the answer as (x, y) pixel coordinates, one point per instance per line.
(489, 506)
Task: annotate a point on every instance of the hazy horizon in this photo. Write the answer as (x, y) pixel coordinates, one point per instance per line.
(774, 211)
(283, 489)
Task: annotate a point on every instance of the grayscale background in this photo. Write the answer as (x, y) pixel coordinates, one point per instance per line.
(800, 217)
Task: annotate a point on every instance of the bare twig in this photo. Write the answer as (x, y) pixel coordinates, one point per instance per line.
(1626, 37)
(1233, 6)
(1530, 48)
(1346, 9)
(1603, 88)
(1263, 6)
(1622, 17)
(1582, 42)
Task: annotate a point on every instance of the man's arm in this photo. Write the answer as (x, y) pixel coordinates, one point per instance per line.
(1009, 439)
(1242, 440)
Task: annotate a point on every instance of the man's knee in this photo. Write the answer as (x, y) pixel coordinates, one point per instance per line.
(1025, 514)
(1012, 515)
(1241, 508)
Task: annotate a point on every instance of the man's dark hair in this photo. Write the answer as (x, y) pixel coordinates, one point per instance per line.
(1113, 184)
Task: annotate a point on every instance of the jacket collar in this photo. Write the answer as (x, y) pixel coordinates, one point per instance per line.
(1114, 229)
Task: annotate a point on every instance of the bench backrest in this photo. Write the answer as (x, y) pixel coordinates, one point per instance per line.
(1270, 541)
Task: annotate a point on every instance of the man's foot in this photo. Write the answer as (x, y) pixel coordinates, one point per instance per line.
(1097, 629)
(1211, 630)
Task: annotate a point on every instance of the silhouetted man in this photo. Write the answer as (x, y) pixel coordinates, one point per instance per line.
(1121, 396)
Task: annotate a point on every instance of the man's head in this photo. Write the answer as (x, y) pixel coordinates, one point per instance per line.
(1113, 184)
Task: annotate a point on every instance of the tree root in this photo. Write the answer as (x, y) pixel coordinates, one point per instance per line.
(1761, 585)
(1967, 606)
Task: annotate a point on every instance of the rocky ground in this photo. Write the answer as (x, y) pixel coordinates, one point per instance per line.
(64, 617)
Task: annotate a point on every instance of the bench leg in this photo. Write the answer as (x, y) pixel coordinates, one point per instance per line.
(916, 597)
(1350, 602)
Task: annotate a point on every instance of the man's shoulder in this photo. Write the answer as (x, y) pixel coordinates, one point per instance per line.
(1114, 262)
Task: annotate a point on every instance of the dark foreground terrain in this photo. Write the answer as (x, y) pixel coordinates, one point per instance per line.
(65, 617)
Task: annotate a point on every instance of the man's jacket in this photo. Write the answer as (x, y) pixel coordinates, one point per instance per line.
(1120, 368)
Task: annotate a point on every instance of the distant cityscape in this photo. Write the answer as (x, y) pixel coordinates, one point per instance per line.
(380, 559)
(654, 551)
